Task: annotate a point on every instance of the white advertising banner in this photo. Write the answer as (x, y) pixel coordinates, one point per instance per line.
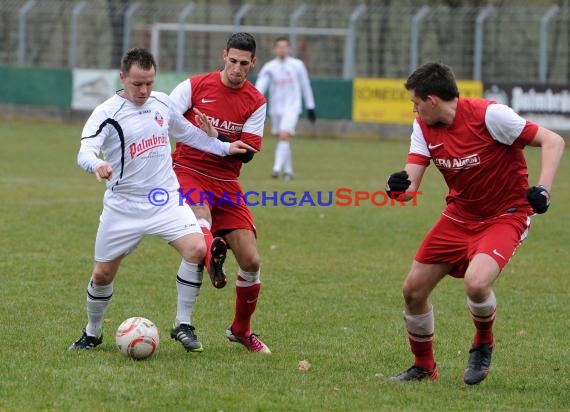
(92, 87)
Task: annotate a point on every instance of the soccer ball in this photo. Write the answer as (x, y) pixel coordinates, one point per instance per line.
(137, 338)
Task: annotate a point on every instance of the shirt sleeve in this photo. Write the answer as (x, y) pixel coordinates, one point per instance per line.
(419, 153)
(185, 132)
(93, 136)
(306, 86)
(181, 96)
(252, 132)
(506, 126)
(263, 79)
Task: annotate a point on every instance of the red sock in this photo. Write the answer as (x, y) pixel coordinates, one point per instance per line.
(246, 301)
(484, 329)
(423, 351)
(209, 238)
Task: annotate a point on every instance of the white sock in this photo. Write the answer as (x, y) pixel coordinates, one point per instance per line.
(98, 297)
(249, 278)
(280, 155)
(420, 327)
(188, 283)
(288, 170)
(484, 311)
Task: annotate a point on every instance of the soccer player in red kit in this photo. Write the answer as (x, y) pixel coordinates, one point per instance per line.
(477, 145)
(210, 183)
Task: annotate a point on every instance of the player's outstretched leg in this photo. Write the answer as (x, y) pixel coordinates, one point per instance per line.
(98, 298)
(248, 286)
(188, 283)
(280, 157)
(216, 250)
(288, 168)
(420, 336)
(217, 257)
(483, 315)
(99, 295)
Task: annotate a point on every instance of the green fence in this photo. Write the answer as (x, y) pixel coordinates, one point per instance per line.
(37, 87)
(54, 87)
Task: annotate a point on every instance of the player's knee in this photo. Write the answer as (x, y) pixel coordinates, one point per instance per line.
(250, 263)
(195, 252)
(414, 294)
(102, 275)
(476, 287)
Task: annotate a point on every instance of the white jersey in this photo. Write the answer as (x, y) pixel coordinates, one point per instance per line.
(287, 79)
(134, 140)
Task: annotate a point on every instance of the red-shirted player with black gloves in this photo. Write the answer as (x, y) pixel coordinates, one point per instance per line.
(477, 146)
(210, 184)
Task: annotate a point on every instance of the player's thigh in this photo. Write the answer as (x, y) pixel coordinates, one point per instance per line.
(191, 247)
(275, 123)
(195, 192)
(447, 242)
(121, 228)
(501, 239)
(244, 247)
(289, 122)
(422, 279)
(178, 225)
(232, 213)
(490, 253)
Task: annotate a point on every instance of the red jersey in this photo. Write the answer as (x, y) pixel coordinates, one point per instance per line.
(239, 114)
(480, 156)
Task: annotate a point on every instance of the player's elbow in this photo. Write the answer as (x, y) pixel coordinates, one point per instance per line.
(554, 144)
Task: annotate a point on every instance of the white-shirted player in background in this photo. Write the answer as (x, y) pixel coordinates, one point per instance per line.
(288, 82)
(131, 130)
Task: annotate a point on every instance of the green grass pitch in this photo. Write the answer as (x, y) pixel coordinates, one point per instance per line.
(331, 295)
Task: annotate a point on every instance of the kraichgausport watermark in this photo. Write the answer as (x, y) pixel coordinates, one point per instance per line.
(340, 197)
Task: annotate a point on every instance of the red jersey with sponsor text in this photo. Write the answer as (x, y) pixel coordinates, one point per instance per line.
(485, 177)
(229, 111)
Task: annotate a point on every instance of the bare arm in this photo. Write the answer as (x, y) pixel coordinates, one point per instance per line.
(552, 149)
(416, 173)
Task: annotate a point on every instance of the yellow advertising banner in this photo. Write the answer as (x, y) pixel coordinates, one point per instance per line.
(386, 101)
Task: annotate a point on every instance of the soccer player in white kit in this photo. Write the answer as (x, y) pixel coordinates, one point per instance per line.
(288, 82)
(131, 130)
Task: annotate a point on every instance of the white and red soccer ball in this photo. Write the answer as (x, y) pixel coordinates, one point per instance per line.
(137, 338)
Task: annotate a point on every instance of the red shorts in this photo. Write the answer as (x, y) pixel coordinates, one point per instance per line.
(224, 198)
(456, 242)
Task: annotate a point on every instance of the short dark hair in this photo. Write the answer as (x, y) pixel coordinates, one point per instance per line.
(141, 57)
(433, 79)
(282, 38)
(242, 41)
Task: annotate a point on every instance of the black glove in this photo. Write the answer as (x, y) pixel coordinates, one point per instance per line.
(244, 157)
(397, 184)
(311, 115)
(539, 198)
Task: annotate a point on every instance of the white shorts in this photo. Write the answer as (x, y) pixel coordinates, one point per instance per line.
(126, 219)
(284, 122)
